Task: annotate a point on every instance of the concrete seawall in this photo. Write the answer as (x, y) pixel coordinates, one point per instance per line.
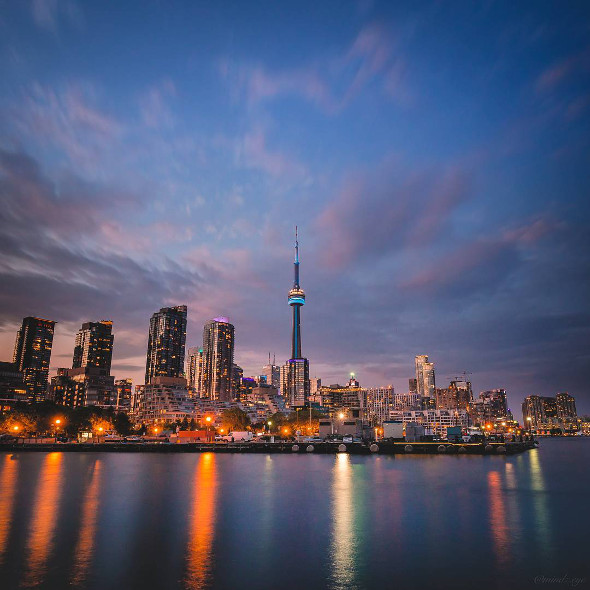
(379, 448)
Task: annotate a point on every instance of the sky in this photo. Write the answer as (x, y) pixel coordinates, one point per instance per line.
(435, 157)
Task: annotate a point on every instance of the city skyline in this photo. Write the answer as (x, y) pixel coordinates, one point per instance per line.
(441, 192)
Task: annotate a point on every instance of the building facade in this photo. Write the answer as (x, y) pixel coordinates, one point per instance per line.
(380, 402)
(84, 386)
(218, 359)
(32, 353)
(12, 386)
(166, 343)
(124, 389)
(195, 371)
(425, 381)
(434, 421)
(491, 405)
(164, 400)
(94, 346)
(545, 414)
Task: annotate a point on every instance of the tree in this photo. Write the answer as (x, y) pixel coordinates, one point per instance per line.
(234, 419)
(18, 423)
(122, 423)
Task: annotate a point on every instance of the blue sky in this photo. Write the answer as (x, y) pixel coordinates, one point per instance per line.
(434, 155)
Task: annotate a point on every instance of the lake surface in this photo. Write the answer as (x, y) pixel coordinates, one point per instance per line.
(168, 521)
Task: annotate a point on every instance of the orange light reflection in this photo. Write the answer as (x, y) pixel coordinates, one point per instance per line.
(42, 528)
(202, 523)
(498, 522)
(85, 546)
(7, 492)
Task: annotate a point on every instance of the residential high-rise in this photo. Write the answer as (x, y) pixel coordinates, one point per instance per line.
(167, 337)
(380, 402)
(218, 359)
(540, 412)
(195, 371)
(237, 380)
(94, 346)
(32, 353)
(489, 407)
(272, 372)
(298, 373)
(12, 386)
(124, 389)
(566, 406)
(425, 382)
(457, 396)
(412, 385)
(89, 381)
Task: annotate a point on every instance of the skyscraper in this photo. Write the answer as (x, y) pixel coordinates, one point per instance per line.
(298, 373)
(167, 337)
(218, 359)
(425, 376)
(94, 346)
(89, 381)
(273, 373)
(32, 353)
(195, 371)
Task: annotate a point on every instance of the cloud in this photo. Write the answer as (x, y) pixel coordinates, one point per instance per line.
(154, 110)
(378, 211)
(330, 83)
(559, 72)
(48, 13)
(67, 118)
(252, 151)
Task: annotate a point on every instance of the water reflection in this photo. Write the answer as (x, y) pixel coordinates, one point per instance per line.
(202, 523)
(498, 524)
(7, 492)
(540, 502)
(44, 518)
(84, 552)
(344, 547)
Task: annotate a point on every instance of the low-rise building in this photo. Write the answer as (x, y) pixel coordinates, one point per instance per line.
(165, 399)
(434, 421)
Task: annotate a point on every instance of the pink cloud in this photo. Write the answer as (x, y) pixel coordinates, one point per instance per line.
(154, 110)
(370, 54)
(67, 118)
(381, 210)
(560, 71)
(252, 152)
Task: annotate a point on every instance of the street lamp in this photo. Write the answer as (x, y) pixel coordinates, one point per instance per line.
(208, 420)
(269, 425)
(15, 428)
(341, 416)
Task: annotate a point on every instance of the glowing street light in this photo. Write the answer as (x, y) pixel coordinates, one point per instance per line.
(341, 416)
(15, 428)
(58, 422)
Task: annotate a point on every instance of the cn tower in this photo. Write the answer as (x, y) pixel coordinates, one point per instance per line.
(298, 372)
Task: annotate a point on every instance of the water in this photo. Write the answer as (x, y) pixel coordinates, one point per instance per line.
(166, 521)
